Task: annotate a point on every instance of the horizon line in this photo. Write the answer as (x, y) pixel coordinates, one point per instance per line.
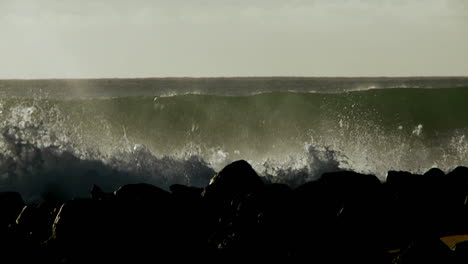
(237, 77)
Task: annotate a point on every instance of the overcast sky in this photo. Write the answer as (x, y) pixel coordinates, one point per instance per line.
(142, 38)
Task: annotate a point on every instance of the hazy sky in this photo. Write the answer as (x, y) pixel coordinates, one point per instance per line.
(142, 38)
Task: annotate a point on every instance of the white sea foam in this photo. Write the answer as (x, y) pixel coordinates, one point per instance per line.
(42, 149)
(418, 130)
(35, 159)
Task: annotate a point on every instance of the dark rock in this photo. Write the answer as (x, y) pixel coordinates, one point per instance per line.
(409, 201)
(77, 221)
(426, 249)
(340, 212)
(461, 252)
(434, 173)
(190, 224)
(11, 245)
(98, 194)
(81, 229)
(11, 205)
(35, 222)
(145, 213)
(185, 191)
(141, 193)
(341, 217)
(260, 227)
(458, 191)
(235, 180)
(401, 179)
(313, 216)
(222, 197)
(459, 174)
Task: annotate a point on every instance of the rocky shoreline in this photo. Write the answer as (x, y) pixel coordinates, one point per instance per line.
(342, 217)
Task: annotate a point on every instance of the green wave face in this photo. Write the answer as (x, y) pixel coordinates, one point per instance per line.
(370, 131)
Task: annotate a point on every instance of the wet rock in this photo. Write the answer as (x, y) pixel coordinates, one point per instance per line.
(11, 205)
(35, 222)
(260, 227)
(11, 244)
(222, 197)
(341, 217)
(82, 230)
(426, 249)
(77, 221)
(235, 179)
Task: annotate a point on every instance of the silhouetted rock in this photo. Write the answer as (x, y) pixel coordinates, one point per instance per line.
(185, 191)
(339, 212)
(11, 245)
(461, 252)
(410, 203)
(426, 249)
(235, 180)
(222, 196)
(259, 229)
(434, 173)
(400, 179)
(341, 217)
(76, 221)
(35, 222)
(458, 192)
(141, 192)
(190, 225)
(144, 213)
(81, 229)
(460, 174)
(11, 205)
(98, 194)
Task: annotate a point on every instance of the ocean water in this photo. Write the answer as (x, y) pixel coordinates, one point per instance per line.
(62, 136)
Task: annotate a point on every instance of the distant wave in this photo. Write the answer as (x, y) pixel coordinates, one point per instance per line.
(114, 88)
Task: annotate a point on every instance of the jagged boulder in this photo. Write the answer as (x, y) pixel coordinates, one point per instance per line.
(234, 181)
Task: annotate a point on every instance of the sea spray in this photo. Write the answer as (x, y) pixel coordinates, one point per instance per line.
(55, 143)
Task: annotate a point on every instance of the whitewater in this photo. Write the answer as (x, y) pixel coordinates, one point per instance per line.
(59, 137)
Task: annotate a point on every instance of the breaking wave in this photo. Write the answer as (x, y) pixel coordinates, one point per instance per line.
(63, 147)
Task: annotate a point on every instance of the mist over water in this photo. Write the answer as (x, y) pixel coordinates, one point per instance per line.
(112, 132)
